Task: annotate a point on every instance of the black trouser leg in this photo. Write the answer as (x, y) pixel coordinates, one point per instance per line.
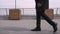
(38, 19)
(47, 18)
(49, 21)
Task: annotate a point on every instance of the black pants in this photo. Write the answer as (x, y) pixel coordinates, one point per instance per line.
(40, 13)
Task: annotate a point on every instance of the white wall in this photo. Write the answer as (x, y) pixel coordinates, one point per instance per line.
(54, 3)
(19, 3)
(7, 3)
(26, 4)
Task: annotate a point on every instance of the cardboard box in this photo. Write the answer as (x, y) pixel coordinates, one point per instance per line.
(14, 14)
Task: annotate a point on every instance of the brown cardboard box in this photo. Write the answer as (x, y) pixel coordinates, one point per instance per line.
(49, 13)
(14, 14)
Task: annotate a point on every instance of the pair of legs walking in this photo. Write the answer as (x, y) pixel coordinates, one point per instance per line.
(40, 13)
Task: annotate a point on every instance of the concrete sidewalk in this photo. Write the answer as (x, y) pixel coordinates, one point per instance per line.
(24, 26)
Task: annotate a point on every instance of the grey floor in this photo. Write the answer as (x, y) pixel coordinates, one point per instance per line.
(24, 26)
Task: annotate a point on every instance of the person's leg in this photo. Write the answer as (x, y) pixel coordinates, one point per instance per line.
(49, 21)
(38, 20)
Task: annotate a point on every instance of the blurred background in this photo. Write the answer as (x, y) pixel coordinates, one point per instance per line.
(26, 15)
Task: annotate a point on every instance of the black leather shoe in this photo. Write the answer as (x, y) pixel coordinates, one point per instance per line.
(55, 27)
(36, 29)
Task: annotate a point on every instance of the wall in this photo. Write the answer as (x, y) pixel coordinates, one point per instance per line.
(25, 4)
